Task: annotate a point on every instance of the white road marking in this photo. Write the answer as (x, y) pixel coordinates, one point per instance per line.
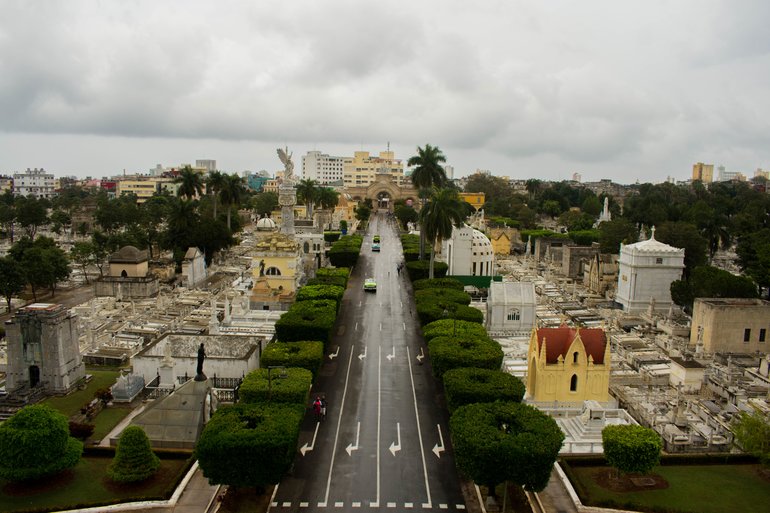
(419, 430)
(350, 448)
(408, 505)
(391, 355)
(337, 434)
(442, 506)
(379, 421)
(460, 506)
(304, 504)
(362, 355)
(439, 447)
(356, 504)
(356, 328)
(286, 505)
(335, 354)
(391, 504)
(339, 504)
(395, 447)
(307, 448)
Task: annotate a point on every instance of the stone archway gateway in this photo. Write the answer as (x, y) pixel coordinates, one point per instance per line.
(384, 192)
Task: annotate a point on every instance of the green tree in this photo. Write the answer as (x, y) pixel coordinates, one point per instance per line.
(363, 210)
(82, 253)
(60, 219)
(12, 279)
(231, 194)
(307, 192)
(706, 281)
(505, 441)
(427, 174)
(752, 431)
(327, 198)
(613, 233)
(182, 222)
(134, 460)
(214, 183)
(239, 435)
(534, 186)
(630, 448)
(30, 214)
(497, 190)
(7, 215)
(191, 183)
(592, 206)
(405, 214)
(264, 203)
(443, 212)
(753, 251)
(35, 442)
(101, 244)
(685, 235)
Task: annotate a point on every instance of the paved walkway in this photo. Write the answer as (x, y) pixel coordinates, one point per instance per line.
(197, 496)
(555, 498)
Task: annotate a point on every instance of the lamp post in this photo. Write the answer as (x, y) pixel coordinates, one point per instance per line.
(270, 379)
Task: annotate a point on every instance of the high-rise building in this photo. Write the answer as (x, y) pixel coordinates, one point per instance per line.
(35, 182)
(703, 172)
(209, 164)
(323, 168)
(363, 169)
(449, 171)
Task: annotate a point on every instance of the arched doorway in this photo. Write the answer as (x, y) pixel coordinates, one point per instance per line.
(384, 200)
(34, 375)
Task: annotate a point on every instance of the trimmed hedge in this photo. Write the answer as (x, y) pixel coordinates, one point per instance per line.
(448, 353)
(410, 245)
(420, 269)
(294, 388)
(471, 385)
(332, 236)
(134, 460)
(344, 252)
(249, 445)
(438, 283)
(332, 292)
(306, 355)
(429, 312)
(443, 296)
(451, 327)
(343, 272)
(307, 320)
(331, 276)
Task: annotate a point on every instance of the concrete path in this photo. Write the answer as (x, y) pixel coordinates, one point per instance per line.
(555, 498)
(198, 496)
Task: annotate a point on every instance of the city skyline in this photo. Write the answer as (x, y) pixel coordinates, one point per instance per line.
(629, 92)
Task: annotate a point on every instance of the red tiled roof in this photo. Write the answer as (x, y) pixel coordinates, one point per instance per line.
(558, 341)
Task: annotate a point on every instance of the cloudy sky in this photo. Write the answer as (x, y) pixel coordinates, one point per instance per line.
(627, 90)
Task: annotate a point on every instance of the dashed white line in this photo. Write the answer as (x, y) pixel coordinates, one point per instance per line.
(442, 506)
(286, 505)
(391, 504)
(273, 504)
(356, 504)
(304, 504)
(460, 506)
(408, 505)
(339, 504)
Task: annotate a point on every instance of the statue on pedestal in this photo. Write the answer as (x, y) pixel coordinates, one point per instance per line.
(288, 172)
(199, 375)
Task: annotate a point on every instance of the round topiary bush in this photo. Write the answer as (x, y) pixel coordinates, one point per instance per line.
(35, 442)
(470, 385)
(134, 460)
(453, 352)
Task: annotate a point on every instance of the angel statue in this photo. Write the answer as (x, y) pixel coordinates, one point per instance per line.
(285, 156)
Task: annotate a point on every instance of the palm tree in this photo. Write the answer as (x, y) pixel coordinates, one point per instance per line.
(426, 175)
(307, 193)
(191, 183)
(231, 193)
(214, 184)
(439, 216)
(327, 198)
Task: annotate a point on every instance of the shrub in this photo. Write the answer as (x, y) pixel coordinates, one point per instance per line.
(321, 292)
(454, 352)
(631, 448)
(344, 252)
(438, 283)
(268, 386)
(247, 445)
(307, 320)
(419, 270)
(452, 327)
(35, 442)
(328, 280)
(429, 312)
(332, 236)
(80, 430)
(471, 385)
(134, 460)
(445, 296)
(306, 355)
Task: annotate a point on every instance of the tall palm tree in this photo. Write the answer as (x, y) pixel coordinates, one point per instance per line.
(214, 183)
(191, 183)
(426, 175)
(307, 192)
(327, 198)
(231, 193)
(439, 216)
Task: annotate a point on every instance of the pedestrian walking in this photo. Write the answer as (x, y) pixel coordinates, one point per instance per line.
(317, 407)
(323, 407)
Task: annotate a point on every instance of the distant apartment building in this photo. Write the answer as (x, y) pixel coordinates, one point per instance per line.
(143, 188)
(703, 172)
(6, 184)
(474, 199)
(363, 169)
(208, 164)
(323, 168)
(762, 173)
(449, 171)
(35, 182)
(729, 176)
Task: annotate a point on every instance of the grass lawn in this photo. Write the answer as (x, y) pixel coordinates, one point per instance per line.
(79, 485)
(107, 419)
(692, 488)
(70, 404)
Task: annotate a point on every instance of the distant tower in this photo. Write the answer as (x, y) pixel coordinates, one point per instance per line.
(43, 349)
(703, 172)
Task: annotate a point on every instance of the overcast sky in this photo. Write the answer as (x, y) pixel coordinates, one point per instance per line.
(627, 90)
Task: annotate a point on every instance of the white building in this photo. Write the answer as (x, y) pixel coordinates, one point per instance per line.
(322, 168)
(468, 252)
(35, 182)
(511, 307)
(646, 270)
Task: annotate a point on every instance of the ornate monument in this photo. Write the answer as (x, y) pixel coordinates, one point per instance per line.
(199, 375)
(287, 193)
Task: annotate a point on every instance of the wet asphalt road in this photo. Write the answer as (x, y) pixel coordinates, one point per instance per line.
(384, 445)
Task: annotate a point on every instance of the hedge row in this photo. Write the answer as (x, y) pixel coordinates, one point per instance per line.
(456, 352)
(452, 327)
(286, 385)
(307, 320)
(468, 385)
(344, 252)
(332, 292)
(307, 355)
(420, 269)
(438, 283)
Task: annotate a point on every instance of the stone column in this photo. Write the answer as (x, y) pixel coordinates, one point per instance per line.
(287, 198)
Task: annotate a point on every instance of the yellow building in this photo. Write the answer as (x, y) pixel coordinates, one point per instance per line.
(363, 168)
(276, 258)
(143, 188)
(474, 199)
(568, 365)
(703, 172)
(503, 239)
(731, 325)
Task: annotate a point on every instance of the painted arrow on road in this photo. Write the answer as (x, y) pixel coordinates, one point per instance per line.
(395, 447)
(421, 355)
(391, 355)
(335, 354)
(439, 447)
(362, 355)
(350, 448)
(307, 448)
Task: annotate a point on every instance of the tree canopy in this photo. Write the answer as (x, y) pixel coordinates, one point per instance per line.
(631, 448)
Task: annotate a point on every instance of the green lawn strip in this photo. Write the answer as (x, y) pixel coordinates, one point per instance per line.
(107, 419)
(86, 484)
(692, 488)
(70, 404)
